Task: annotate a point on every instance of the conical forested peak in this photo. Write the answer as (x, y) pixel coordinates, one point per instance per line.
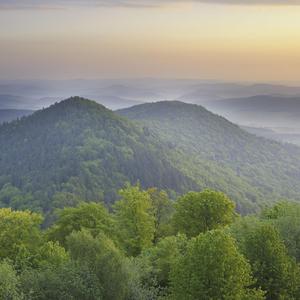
(75, 112)
(76, 105)
(164, 109)
(179, 115)
(80, 103)
(78, 149)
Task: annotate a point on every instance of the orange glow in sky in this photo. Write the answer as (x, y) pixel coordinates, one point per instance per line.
(194, 40)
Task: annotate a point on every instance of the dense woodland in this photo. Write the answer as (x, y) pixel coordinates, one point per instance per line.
(220, 155)
(79, 150)
(149, 247)
(80, 217)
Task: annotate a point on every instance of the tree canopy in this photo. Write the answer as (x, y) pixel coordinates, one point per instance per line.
(134, 251)
(134, 219)
(199, 212)
(212, 268)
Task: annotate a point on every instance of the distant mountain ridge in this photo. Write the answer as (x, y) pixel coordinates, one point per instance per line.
(219, 154)
(267, 103)
(283, 135)
(217, 91)
(78, 149)
(12, 101)
(113, 102)
(260, 110)
(8, 115)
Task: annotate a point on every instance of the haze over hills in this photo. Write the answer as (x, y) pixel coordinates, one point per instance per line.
(220, 155)
(8, 115)
(129, 92)
(78, 148)
(149, 150)
(13, 102)
(218, 90)
(275, 117)
(259, 106)
(283, 135)
(78, 151)
(39, 92)
(263, 110)
(113, 102)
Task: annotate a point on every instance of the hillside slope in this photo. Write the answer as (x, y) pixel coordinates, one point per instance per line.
(78, 148)
(218, 154)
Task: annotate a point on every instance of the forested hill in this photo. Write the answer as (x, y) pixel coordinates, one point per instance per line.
(220, 155)
(78, 149)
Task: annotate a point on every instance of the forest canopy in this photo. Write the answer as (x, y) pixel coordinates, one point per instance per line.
(96, 206)
(79, 150)
(90, 252)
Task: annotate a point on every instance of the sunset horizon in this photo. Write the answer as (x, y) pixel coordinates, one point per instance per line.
(220, 40)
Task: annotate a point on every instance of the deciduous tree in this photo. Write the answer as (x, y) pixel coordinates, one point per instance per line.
(135, 220)
(212, 268)
(203, 211)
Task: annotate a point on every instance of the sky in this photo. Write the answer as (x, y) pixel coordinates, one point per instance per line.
(234, 40)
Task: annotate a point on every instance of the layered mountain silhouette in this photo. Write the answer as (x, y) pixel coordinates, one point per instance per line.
(78, 150)
(218, 154)
(260, 110)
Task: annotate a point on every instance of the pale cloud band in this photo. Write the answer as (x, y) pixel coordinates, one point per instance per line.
(47, 4)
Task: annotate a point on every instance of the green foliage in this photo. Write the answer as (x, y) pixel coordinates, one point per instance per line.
(85, 152)
(276, 272)
(219, 155)
(279, 210)
(88, 263)
(11, 196)
(163, 255)
(285, 216)
(212, 268)
(93, 217)
(66, 281)
(9, 282)
(135, 220)
(51, 254)
(19, 233)
(74, 155)
(61, 200)
(163, 209)
(78, 149)
(200, 212)
(142, 282)
(104, 259)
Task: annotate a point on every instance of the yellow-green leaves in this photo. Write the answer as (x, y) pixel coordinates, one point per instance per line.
(200, 212)
(19, 233)
(93, 217)
(212, 268)
(135, 220)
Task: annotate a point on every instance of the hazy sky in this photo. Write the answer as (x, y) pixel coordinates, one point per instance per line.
(217, 39)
